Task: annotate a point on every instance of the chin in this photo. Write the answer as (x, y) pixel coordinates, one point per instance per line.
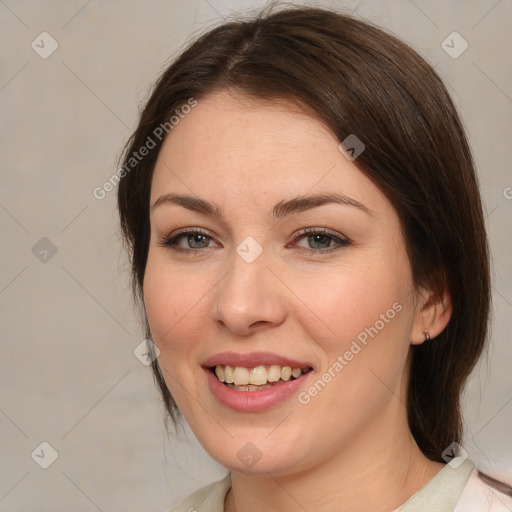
(258, 457)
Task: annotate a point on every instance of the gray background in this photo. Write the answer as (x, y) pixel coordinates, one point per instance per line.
(68, 375)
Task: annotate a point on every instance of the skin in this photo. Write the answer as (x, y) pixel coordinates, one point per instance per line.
(349, 448)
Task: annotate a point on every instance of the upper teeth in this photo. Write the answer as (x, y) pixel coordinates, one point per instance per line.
(258, 376)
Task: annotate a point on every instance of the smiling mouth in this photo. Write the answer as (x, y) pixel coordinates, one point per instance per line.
(258, 378)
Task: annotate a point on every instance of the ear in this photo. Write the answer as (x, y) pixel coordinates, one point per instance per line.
(433, 312)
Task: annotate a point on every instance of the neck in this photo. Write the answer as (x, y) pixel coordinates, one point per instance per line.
(378, 470)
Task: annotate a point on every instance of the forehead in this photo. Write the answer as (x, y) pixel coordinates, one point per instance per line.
(232, 147)
(228, 127)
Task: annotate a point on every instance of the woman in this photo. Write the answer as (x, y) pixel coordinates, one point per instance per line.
(307, 241)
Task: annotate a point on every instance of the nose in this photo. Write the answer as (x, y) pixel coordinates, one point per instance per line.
(249, 298)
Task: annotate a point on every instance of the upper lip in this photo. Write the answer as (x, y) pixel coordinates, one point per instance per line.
(252, 360)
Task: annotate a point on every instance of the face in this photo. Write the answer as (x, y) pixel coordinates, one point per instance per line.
(283, 255)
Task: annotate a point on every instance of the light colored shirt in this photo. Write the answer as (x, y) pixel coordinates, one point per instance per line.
(456, 488)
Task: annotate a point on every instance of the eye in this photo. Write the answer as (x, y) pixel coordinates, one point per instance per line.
(321, 240)
(193, 239)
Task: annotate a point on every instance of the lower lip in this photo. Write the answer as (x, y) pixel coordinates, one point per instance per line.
(254, 401)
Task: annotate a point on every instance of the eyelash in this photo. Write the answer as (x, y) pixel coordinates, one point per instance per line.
(170, 241)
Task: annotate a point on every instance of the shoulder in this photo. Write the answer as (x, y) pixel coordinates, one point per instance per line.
(478, 496)
(207, 499)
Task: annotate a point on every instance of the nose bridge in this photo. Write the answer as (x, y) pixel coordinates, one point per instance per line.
(249, 293)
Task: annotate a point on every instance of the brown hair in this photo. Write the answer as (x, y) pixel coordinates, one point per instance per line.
(356, 79)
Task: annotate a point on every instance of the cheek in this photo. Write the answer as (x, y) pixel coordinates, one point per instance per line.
(349, 301)
(162, 308)
(366, 313)
(175, 303)
(175, 312)
(360, 316)
(363, 341)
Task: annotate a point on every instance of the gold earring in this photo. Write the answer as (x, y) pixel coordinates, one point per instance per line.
(427, 335)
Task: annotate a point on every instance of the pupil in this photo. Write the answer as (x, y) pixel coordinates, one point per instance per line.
(316, 237)
(195, 237)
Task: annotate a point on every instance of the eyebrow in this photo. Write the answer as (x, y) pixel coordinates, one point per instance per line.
(281, 209)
